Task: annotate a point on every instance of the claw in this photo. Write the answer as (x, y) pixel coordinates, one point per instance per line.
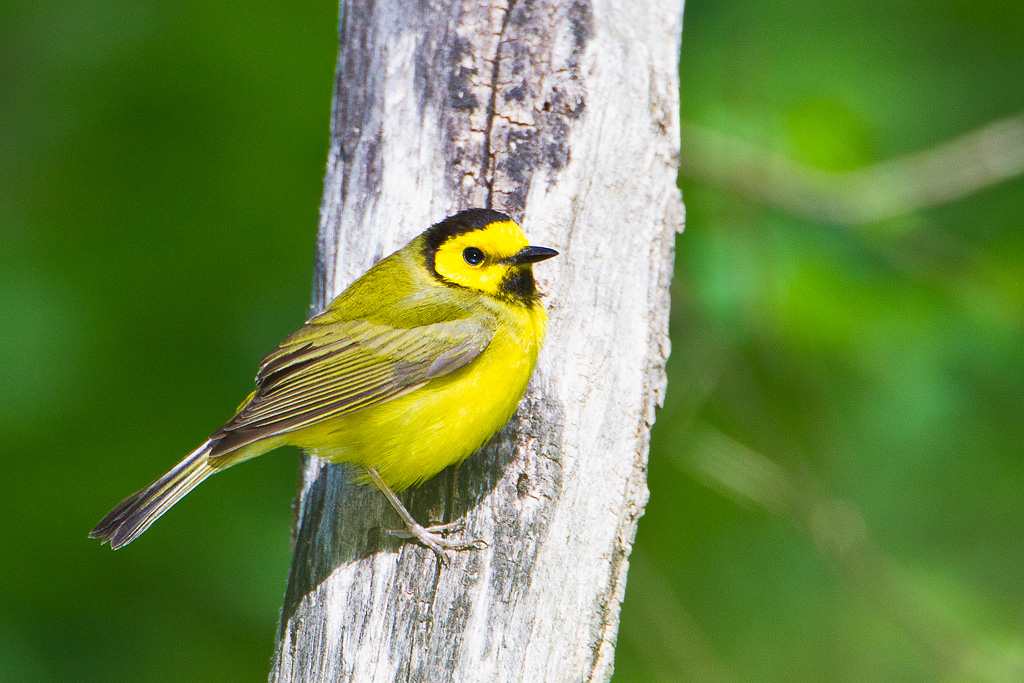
(431, 537)
(457, 525)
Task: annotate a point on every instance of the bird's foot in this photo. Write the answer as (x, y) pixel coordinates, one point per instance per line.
(430, 536)
(433, 538)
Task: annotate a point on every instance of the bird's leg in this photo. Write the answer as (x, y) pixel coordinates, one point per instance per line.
(429, 536)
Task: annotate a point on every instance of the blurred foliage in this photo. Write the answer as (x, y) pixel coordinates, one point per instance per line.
(836, 475)
(160, 176)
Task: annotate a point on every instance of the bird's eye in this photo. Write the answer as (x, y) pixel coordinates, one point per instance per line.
(473, 256)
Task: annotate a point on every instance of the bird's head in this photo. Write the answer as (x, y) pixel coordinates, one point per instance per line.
(485, 251)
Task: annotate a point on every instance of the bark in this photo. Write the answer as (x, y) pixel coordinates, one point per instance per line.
(563, 114)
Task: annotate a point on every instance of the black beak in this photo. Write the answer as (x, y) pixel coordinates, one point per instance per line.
(530, 255)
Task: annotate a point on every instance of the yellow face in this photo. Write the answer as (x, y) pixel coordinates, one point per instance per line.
(481, 259)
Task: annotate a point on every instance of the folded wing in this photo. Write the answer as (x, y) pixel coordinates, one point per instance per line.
(328, 369)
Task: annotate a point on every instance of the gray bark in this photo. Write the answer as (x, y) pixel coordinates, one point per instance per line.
(563, 114)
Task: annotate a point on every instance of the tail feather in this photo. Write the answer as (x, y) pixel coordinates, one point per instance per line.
(137, 512)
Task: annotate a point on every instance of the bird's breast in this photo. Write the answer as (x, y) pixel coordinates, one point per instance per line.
(411, 438)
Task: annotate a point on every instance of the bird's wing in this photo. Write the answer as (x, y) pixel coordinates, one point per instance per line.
(328, 369)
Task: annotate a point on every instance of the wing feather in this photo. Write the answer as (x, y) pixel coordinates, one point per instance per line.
(328, 369)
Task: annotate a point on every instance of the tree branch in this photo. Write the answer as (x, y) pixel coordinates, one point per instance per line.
(942, 174)
(573, 106)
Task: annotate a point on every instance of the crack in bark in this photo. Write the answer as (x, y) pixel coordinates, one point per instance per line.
(487, 162)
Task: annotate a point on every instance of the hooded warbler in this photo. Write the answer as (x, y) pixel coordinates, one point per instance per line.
(412, 368)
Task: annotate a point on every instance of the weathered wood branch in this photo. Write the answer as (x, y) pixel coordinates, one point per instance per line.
(563, 114)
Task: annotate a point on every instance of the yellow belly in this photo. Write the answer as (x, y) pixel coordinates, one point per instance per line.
(411, 438)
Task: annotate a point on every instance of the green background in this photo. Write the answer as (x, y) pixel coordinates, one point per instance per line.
(835, 479)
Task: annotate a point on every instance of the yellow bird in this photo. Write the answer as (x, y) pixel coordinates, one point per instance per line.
(412, 368)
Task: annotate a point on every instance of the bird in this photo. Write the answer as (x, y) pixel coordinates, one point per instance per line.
(412, 368)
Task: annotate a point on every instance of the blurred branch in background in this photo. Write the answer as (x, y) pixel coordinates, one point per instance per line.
(932, 177)
(840, 533)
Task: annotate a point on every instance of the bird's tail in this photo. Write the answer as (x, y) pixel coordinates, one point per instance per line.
(134, 514)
